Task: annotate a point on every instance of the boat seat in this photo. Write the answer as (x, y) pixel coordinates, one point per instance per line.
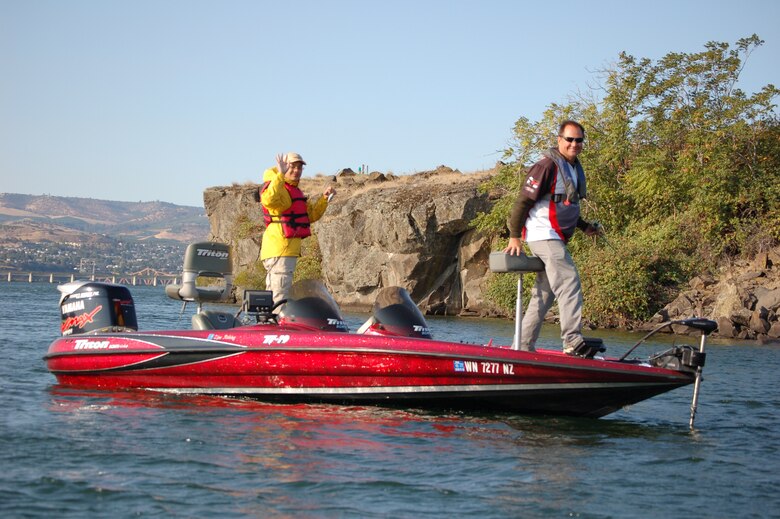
(209, 260)
(503, 262)
(214, 320)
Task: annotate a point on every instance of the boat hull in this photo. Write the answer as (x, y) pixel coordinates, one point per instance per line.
(280, 365)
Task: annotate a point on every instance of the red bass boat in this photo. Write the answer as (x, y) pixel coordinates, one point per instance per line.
(305, 352)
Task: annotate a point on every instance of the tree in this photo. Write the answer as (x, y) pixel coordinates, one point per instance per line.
(682, 170)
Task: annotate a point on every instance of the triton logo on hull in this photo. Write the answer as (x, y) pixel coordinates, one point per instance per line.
(211, 253)
(86, 344)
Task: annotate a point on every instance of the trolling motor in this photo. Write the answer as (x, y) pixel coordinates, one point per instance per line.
(683, 358)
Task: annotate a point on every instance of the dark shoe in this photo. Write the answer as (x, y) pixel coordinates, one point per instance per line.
(587, 348)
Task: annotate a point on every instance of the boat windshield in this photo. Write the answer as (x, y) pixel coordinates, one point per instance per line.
(397, 314)
(311, 305)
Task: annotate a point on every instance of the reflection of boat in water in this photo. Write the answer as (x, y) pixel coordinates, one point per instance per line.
(306, 354)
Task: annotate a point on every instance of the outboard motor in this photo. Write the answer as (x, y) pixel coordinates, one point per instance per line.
(91, 307)
(311, 307)
(396, 314)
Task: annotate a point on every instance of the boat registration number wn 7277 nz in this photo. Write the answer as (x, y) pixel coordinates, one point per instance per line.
(491, 368)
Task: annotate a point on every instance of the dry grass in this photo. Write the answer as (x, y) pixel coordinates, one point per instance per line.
(360, 184)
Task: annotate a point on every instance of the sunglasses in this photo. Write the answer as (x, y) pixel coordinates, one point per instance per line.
(578, 140)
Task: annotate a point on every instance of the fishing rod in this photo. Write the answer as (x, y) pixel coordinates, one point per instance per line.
(602, 233)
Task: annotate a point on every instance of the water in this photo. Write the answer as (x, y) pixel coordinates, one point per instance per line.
(69, 453)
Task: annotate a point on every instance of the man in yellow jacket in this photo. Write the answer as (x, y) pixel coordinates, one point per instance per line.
(288, 216)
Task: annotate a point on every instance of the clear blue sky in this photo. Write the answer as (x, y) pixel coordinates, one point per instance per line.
(159, 99)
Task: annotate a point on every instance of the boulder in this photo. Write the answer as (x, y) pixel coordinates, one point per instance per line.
(774, 330)
(701, 282)
(729, 299)
(741, 317)
(752, 274)
(758, 322)
(725, 327)
(768, 298)
(681, 307)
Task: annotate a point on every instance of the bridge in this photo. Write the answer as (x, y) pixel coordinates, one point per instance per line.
(145, 276)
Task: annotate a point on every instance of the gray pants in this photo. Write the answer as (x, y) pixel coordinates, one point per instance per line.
(279, 275)
(559, 280)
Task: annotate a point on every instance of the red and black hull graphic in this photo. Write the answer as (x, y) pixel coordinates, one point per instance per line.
(278, 365)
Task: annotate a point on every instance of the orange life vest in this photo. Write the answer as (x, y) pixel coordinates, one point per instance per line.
(295, 220)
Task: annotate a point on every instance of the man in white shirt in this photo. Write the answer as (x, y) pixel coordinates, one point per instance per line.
(545, 216)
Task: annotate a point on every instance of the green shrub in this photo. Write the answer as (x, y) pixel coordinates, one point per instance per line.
(502, 290)
(310, 263)
(246, 228)
(252, 278)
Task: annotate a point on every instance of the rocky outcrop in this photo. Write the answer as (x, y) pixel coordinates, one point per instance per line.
(414, 235)
(744, 299)
(379, 231)
(235, 216)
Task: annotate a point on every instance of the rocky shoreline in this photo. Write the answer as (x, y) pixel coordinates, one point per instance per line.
(744, 299)
(413, 231)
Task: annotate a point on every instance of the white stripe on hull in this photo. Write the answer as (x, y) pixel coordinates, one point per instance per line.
(485, 388)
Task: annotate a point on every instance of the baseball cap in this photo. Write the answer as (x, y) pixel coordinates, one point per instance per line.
(294, 157)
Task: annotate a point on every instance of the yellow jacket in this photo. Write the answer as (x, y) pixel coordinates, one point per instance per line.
(276, 200)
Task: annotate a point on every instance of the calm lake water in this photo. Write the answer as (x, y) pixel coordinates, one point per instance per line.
(67, 453)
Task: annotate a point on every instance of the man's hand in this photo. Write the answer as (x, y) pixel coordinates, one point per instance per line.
(515, 247)
(594, 229)
(281, 163)
(328, 193)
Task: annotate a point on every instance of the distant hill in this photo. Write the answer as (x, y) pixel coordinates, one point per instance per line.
(68, 219)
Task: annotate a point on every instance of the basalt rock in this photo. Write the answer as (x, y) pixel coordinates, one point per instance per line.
(236, 217)
(410, 235)
(380, 231)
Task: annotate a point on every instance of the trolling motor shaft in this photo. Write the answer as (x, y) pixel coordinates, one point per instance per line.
(697, 382)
